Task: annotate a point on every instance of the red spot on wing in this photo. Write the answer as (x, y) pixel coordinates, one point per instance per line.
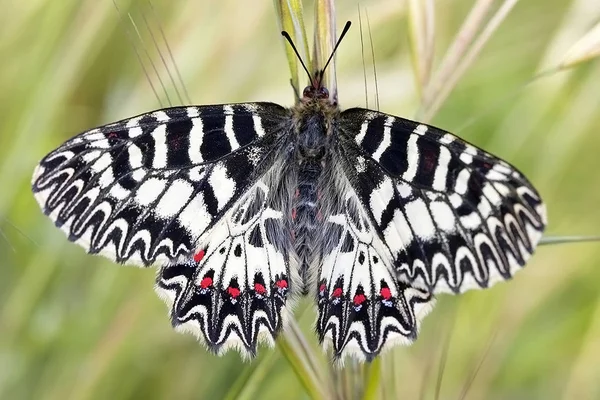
(281, 284)
(260, 289)
(112, 135)
(337, 292)
(359, 299)
(322, 287)
(199, 256)
(386, 293)
(206, 282)
(233, 292)
(294, 213)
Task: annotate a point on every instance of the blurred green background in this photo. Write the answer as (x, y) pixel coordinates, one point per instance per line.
(73, 326)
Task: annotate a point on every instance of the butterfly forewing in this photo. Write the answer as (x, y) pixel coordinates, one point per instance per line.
(146, 188)
(452, 216)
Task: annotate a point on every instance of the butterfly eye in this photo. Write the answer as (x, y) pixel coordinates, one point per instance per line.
(309, 92)
(323, 93)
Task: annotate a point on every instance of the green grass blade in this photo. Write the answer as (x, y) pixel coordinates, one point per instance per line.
(551, 240)
(291, 19)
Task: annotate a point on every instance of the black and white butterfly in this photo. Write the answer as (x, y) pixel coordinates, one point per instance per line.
(246, 206)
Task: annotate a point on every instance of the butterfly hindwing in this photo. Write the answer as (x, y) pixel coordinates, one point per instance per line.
(233, 292)
(146, 188)
(363, 308)
(453, 216)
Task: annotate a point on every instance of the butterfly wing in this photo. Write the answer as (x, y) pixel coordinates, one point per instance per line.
(232, 293)
(144, 189)
(363, 308)
(452, 216)
(424, 212)
(186, 188)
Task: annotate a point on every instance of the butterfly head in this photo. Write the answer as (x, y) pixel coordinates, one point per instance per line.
(316, 90)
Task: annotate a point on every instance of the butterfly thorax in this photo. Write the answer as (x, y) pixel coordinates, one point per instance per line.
(312, 130)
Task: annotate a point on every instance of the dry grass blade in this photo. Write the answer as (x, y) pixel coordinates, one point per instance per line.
(149, 57)
(447, 85)
(325, 38)
(373, 60)
(422, 35)
(585, 49)
(137, 52)
(162, 58)
(457, 49)
(362, 56)
(165, 64)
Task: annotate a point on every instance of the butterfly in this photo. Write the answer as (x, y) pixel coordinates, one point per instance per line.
(245, 207)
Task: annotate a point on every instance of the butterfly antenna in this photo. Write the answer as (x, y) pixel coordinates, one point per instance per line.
(344, 31)
(289, 39)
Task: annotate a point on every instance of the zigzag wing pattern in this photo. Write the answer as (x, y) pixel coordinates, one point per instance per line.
(144, 189)
(453, 216)
(232, 293)
(363, 308)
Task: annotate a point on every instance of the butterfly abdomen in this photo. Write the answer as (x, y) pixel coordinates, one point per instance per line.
(305, 212)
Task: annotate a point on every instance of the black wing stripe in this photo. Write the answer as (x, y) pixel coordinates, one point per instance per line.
(374, 135)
